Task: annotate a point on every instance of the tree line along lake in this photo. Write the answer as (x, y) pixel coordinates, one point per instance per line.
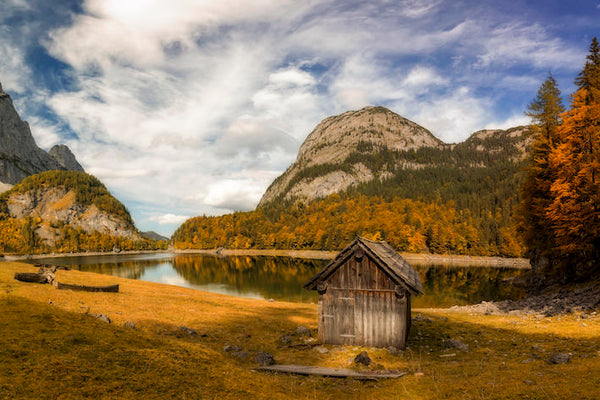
(282, 278)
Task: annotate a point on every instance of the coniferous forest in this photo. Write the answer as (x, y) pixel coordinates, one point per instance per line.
(559, 216)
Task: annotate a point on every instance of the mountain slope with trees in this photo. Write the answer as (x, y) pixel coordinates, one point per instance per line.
(425, 197)
(65, 211)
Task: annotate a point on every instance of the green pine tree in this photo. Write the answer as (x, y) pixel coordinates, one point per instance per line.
(533, 224)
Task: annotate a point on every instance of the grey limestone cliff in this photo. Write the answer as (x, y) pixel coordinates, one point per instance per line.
(19, 154)
(63, 155)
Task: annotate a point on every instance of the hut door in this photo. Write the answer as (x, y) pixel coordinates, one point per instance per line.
(346, 317)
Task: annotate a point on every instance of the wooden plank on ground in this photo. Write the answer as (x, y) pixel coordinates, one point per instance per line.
(331, 372)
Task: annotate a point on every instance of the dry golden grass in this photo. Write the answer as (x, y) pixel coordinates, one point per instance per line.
(52, 347)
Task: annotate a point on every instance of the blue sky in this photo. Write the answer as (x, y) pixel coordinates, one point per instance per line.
(191, 107)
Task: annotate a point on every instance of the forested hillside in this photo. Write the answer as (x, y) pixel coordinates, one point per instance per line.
(65, 211)
(457, 199)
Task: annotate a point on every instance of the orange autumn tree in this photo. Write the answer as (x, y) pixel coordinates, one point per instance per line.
(533, 225)
(575, 209)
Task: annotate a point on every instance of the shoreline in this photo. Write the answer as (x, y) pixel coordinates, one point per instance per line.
(21, 257)
(417, 259)
(420, 259)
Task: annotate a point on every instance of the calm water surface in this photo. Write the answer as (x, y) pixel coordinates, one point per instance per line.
(281, 278)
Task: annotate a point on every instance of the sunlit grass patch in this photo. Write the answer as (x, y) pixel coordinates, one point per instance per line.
(52, 346)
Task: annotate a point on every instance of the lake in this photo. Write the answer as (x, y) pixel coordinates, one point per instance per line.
(281, 278)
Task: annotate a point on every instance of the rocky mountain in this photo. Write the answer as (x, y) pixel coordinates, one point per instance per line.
(327, 162)
(376, 145)
(20, 156)
(375, 174)
(154, 236)
(65, 158)
(59, 206)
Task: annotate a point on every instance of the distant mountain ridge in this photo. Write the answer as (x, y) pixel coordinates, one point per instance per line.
(375, 144)
(20, 156)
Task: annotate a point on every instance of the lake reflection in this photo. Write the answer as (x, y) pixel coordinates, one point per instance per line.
(281, 278)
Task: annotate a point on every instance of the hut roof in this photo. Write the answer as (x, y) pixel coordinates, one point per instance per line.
(386, 258)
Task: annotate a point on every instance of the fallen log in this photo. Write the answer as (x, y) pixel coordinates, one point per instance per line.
(332, 372)
(34, 277)
(84, 288)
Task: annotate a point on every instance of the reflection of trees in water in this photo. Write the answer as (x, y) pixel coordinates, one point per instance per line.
(272, 277)
(283, 277)
(447, 286)
(125, 269)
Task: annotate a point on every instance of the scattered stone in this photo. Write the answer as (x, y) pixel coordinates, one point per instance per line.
(322, 349)
(129, 325)
(527, 361)
(264, 359)
(271, 300)
(188, 331)
(242, 355)
(531, 383)
(231, 348)
(393, 351)
(102, 317)
(583, 316)
(419, 374)
(302, 331)
(362, 358)
(285, 339)
(560, 358)
(420, 318)
(456, 344)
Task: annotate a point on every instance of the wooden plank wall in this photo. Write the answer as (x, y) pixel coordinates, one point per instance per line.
(360, 307)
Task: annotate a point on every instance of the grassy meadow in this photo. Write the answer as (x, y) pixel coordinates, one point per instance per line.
(52, 346)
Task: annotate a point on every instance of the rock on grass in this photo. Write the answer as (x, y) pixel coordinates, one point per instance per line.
(264, 359)
(560, 358)
(363, 358)
(456, 344)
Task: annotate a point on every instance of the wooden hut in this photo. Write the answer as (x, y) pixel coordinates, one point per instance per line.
(364, 296)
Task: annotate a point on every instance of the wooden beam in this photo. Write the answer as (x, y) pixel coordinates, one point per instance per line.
(332, 372)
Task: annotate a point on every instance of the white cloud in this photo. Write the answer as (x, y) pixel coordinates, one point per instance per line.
(169, 219)
(418, 8)
(194, 107)
(14, 73)
(44, 133)
(234, 194)
(523, 43)
(453, 117)
(512, 121)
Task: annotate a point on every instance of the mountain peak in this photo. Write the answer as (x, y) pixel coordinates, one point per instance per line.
(340, 151)
(334, 138)
(63, 155)
(376, 144)
(20, 156)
